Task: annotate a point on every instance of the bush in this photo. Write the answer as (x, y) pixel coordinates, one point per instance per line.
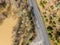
(46, 20)
(42, 4)
(58, 33)
(49, 28)
(54, 22)
(59, 19)
(50, 18)
(49, 35)
(50, 21)
(51, 7)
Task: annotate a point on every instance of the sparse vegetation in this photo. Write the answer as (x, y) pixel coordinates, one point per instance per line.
(59, 20)
(49, 28)
(51, 7)
(24, 30)
(51, 11)
(49, 35)
(50, 18)
(42, 3)
(46, 20)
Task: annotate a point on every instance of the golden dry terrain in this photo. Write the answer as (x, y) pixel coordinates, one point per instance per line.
(16, 24)
(50, 12)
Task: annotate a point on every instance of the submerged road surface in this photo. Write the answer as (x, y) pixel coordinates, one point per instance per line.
(41, 38)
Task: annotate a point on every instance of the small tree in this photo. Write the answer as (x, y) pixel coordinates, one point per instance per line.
(49, 35)
(46, 20)
(54, 22)
(50, 22)
(50, 18)
(58, 33)
(41, 3)
(51, 7)
(59, 20)
(49, 28)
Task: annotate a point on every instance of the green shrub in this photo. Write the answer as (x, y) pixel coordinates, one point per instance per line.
(41, 4)
(51, 7)
(49, 28)
(49, 35)
(59, 20)
(46, 20)
(50, 17)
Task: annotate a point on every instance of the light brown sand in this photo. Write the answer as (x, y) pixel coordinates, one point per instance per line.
(6, 31)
